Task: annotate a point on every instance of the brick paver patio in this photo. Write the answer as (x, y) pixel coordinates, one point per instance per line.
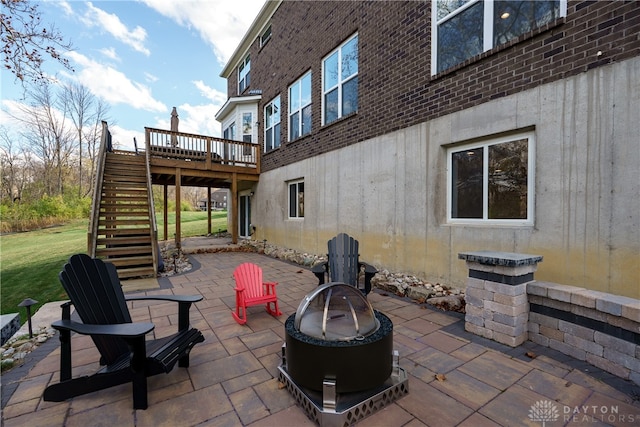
(232, 380)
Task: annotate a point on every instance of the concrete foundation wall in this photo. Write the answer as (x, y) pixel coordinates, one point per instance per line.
(389, 192)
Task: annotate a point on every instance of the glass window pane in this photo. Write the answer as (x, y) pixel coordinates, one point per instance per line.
(301, 199)
(276, 110)
(349, 58)
(276, 136)
(294, 97)
(508, 180)
(331, 106)
(515, 17)
(294, 126)
(305, 94)
(292, 200)
(350, 96)
(306, 120)
(331, 71)
(466, 184)
(445, 7)
(460, 37)
(268, 143)
(247, 123)
(268, 113)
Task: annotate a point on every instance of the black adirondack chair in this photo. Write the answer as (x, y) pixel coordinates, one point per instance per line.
(343, 264)
(96, 293)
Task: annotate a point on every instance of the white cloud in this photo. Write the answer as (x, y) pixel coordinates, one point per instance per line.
(65, 6)
(196, 119)
(221, 23)
(150, 77)
(112, 85)
(122, 138)
(210, 93)
(96, 17)
(110, 52)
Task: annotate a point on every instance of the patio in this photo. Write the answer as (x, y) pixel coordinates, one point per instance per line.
(455, 378)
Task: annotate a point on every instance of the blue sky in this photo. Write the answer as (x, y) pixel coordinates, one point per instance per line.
(144, 57)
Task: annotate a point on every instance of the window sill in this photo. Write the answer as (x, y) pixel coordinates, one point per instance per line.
(490, 224)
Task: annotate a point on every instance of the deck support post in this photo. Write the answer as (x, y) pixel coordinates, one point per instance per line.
(178, 202)
(165, 212)
(209, 210)
(234, 208)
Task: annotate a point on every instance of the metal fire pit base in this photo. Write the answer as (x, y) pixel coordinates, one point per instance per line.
(329, 409)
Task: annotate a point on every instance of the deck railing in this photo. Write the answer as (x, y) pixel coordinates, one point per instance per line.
(105, 146)
(186, 146)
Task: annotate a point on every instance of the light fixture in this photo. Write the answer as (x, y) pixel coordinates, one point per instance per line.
(504, 15)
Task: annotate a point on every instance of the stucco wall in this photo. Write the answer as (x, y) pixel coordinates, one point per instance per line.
(390, 191)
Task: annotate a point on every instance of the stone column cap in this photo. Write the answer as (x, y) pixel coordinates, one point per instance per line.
(508, 259)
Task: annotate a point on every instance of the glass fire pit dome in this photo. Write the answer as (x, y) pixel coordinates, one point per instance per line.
(336, 312)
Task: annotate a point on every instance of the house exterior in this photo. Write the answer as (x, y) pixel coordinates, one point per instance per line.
(426, 129)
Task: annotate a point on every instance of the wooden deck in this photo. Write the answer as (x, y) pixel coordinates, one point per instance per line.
(183, 159)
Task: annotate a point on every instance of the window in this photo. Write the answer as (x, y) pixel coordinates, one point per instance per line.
(340, 81)
(296, 199)
(243, 74)
(230, 132)
(247, 132)
(266, 35)
(272, 125)
(465, 28)
(492, 181)
(300, 107)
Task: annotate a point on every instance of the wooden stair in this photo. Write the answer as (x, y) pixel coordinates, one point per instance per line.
(124, 235)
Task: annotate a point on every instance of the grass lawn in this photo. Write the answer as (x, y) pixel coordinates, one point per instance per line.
(31, 261)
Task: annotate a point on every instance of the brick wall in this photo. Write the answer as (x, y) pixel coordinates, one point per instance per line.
(396, 89)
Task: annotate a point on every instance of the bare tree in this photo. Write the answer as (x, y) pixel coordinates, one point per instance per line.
(86, 111)
(26, 41)
(48, 135)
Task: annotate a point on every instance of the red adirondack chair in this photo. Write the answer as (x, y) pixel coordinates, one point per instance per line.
(251, 290)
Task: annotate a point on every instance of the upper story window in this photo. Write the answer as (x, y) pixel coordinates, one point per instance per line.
(300, 107)
(296, 199)
(244, 74)
(340, 81)
(492, 182)
(265, 36)
(272, 125)
(465, 28)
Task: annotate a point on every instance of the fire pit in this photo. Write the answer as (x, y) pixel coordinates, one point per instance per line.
(338, 359)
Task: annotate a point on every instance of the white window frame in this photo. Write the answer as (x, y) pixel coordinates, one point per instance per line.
(301, 106)
(244, 74)
(341, 81)
(531, 149)
(290, 186)
(487, 26)
(273, 144)
(265, 36)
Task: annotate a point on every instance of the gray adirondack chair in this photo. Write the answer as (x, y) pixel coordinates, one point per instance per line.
(343, 264)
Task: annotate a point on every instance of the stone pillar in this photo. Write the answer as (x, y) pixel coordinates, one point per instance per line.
(496, 294)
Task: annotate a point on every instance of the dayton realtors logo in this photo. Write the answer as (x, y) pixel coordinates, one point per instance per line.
(546, 411)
